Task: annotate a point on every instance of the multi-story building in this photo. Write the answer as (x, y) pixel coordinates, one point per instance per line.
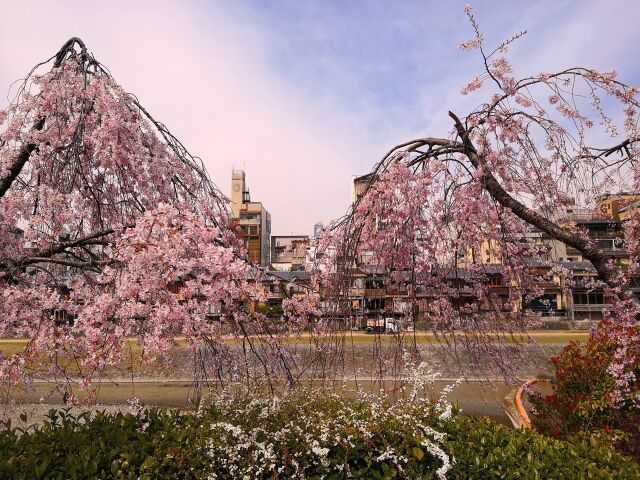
(250, 220)
(612, 205)
(571, 297)
(318, 228)
(626, 212)
(289, 252)
(359, 185)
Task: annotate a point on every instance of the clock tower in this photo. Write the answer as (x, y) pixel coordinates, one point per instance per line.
(237, 192)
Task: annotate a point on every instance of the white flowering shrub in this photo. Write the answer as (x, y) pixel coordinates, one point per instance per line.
(311, 436)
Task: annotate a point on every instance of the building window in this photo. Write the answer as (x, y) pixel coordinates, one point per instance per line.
(374, 284)
(605, 243)
(634, 282)
(375, 303)
(591, 298)
(545, 303)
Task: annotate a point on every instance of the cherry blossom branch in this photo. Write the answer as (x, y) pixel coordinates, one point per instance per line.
(591, 252)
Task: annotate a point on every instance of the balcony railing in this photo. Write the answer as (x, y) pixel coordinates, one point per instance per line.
(590, 307)
(584, 216)
(375, 292)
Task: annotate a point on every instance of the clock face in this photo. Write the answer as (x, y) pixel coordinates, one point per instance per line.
(236, 187)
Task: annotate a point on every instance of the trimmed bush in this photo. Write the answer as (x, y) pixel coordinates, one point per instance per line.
(310, 436)
(488, 450)
(157, 443)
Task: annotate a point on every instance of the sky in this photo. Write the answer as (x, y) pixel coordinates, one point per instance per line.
(303, 95)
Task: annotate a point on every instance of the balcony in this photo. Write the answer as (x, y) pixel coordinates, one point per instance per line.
(374, 292)
(585, 217)
(396, 292)
(590, 307)
(548, 285)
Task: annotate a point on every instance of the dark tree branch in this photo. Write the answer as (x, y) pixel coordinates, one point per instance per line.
(20, 162)
(589, 251)
(62, 246)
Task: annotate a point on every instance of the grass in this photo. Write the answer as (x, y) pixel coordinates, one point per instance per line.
(11, 346)
(423, 338)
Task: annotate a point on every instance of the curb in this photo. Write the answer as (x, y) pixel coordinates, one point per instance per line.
(524, 418)
(510, 409)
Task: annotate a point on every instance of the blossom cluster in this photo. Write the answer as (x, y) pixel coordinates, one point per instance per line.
(260, 437)
(110, 230)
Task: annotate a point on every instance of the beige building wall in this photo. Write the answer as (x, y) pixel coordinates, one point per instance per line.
(238, 188)
(358, 185)
(557, 249)
(610, 205)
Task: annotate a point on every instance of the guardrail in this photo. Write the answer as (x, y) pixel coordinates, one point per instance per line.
(524, 417)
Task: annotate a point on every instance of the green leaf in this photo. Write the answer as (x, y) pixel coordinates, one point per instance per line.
(418, 453)
(40, 469)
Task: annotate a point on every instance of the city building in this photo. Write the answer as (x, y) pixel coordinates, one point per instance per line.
(280, 285)
(572, 297)
(318, 228)
(289, 252)
(612, 205)
(250, 220)
(627, 212)
(359, 185)
(369, 294)
(568, 297)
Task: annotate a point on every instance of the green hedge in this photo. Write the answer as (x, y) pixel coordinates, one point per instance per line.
(308, 436)
(487, 449)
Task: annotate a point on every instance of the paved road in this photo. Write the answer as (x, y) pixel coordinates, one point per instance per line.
(475, 397)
